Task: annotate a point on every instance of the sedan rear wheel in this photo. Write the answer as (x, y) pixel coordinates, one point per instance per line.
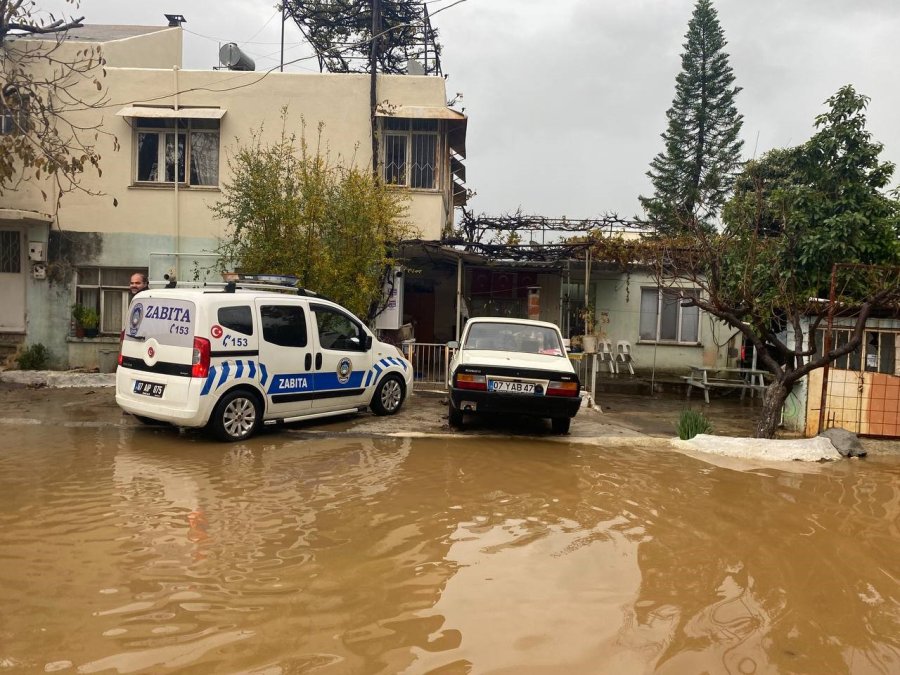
(561, 425)
(454, 416)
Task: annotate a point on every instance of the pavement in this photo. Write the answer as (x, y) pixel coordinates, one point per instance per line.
(83, 398)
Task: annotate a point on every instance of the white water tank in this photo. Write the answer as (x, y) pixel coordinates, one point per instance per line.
(231, 56)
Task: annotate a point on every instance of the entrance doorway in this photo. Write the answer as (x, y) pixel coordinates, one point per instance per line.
(12, 281)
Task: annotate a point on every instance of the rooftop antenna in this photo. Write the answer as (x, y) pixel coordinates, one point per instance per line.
(175, 20)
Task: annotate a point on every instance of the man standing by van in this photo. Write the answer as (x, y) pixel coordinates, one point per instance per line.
(138, 283)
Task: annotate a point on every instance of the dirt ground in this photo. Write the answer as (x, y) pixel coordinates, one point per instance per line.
(625, 416)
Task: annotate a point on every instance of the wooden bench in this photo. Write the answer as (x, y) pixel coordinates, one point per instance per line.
(743, 379)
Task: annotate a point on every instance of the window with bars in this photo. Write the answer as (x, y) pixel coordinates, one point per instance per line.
(877, 354)
(165, 147)
(13, 121)
(10, 252)
(410, 151)
(665, 319)
(105, 289)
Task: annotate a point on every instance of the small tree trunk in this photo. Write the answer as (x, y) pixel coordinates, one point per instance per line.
(773, 401)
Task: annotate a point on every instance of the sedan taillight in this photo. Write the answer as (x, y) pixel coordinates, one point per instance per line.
(471, 381)
(562, 389)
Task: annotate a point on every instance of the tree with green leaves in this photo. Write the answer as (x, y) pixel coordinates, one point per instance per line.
(46, 84)
(801, 219)
(290, 211)
(693, 175)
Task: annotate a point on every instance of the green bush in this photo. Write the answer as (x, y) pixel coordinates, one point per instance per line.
(691, 423)
(33, 357)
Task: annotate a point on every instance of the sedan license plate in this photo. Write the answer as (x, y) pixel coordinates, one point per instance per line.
(149, 388)
(512, 387)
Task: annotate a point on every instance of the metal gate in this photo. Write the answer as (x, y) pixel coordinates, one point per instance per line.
(430, 362)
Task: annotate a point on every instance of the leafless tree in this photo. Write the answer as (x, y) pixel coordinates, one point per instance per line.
(46, 86)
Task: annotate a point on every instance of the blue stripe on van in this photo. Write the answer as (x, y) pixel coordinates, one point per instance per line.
(209, 380)
(225, 371)
(264, 375)
(240, 369)
(252, 372)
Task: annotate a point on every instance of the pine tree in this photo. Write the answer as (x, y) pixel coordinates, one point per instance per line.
(694, 174)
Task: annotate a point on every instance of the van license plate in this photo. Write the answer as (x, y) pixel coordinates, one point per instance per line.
(149, 388)
(512, 387)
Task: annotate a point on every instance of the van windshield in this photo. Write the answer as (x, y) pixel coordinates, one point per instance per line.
(169, 321)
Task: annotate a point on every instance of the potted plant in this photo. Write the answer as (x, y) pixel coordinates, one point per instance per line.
(88, 319)
(589, 341)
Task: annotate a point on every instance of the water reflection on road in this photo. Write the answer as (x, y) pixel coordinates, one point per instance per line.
(128, 550)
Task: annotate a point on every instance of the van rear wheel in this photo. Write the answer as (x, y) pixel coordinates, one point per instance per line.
(388, 397)
(236, 416)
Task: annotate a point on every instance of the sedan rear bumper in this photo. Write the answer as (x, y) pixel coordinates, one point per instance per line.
(469, 401)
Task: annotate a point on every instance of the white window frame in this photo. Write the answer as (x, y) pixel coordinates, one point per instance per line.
(142, 126)
(661, 293)
(410, 136)
(96, 285)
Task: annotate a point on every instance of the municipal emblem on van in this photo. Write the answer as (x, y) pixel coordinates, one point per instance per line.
(135, 318)
(344, 368)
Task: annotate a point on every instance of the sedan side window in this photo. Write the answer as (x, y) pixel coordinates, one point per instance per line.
(338, 331)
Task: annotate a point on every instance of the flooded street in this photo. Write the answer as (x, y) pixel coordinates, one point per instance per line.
(128, 550)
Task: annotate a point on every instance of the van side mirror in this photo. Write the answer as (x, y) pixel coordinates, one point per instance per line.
(368, 343)
(453, 344)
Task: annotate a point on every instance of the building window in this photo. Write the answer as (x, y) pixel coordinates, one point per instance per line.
(665, 319)
(10, 252)
(880, 349)
(12, 121)
(105, 289)
(166, 146)
(410, 152)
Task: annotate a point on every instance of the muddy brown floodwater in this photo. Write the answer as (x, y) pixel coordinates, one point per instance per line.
(132, 550)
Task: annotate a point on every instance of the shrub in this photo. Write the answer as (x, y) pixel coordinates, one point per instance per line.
(691, 423)
(33, 357)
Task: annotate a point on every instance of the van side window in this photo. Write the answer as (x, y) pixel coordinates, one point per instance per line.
(283, 325)
(337, 330)
(237, 319)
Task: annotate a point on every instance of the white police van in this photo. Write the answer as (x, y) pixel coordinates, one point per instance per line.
(234, 357)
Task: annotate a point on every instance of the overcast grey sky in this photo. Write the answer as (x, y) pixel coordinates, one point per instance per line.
(567, 100)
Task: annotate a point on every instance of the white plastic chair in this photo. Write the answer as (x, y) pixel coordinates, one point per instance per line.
(623, 355)
(605, 354)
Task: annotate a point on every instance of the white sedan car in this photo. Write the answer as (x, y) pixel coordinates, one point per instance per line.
(513, 366)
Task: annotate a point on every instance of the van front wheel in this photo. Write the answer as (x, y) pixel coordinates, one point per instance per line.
(236, 416)
(388, 397)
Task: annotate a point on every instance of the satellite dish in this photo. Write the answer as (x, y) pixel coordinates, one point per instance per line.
(414, 67)
(231, 56)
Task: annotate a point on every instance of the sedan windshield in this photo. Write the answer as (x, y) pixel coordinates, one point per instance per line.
(514, 337)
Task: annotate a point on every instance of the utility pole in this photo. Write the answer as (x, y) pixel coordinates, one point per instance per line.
(373, 80)
(283, 18)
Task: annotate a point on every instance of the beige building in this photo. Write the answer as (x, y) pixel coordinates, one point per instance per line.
(146, 220)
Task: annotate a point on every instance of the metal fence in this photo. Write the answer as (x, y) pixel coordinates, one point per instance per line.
(430, 363)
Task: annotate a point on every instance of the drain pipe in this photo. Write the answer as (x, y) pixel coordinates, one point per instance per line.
(175, 70)
(459, 267)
